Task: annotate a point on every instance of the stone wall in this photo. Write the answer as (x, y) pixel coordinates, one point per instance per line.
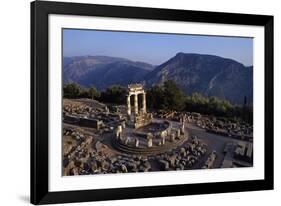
(87, 122)
(142, 120)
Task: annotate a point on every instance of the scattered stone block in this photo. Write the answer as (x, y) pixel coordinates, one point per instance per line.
(149, 143)
(136, 142)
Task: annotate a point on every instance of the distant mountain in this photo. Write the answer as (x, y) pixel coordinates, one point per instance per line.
(206, 74)
(102, 71)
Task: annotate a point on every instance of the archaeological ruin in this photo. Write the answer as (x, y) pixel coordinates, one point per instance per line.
(138, 118)
(144, 134)
(101, 138)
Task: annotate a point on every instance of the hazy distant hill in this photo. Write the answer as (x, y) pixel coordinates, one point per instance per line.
(206, 74)
(102, 71)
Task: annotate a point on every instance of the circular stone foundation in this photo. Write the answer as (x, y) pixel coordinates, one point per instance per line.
(154, 138)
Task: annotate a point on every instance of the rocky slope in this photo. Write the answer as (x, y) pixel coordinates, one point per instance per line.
(206, 74)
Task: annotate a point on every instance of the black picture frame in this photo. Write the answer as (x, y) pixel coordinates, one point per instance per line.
(39, 102)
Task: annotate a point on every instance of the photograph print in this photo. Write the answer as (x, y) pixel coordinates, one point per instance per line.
(148, 102)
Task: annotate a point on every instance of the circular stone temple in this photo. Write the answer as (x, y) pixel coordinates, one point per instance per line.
(143, 134)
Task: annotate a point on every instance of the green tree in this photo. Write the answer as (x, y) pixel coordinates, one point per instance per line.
(83, 93)
(71, 90)
(93, 93)
(168, 97)
(174, 98)
(114, 94)
(155, 98)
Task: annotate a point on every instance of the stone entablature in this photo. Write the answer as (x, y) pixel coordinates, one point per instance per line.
(135, 88)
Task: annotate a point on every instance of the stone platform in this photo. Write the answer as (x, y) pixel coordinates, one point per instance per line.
(148, 150)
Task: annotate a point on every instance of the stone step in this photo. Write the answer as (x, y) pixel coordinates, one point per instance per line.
(147, 151)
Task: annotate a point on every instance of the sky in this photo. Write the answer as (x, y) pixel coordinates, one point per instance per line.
(154, 48)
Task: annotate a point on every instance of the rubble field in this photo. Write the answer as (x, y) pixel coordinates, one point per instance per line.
(182, 141)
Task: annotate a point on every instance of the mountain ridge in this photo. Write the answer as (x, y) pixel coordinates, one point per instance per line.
(207, 74)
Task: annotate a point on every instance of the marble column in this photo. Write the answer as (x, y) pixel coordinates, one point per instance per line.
(129, 105)
(136, 104)
(144, 103)
(136, 142)
(149, 143)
